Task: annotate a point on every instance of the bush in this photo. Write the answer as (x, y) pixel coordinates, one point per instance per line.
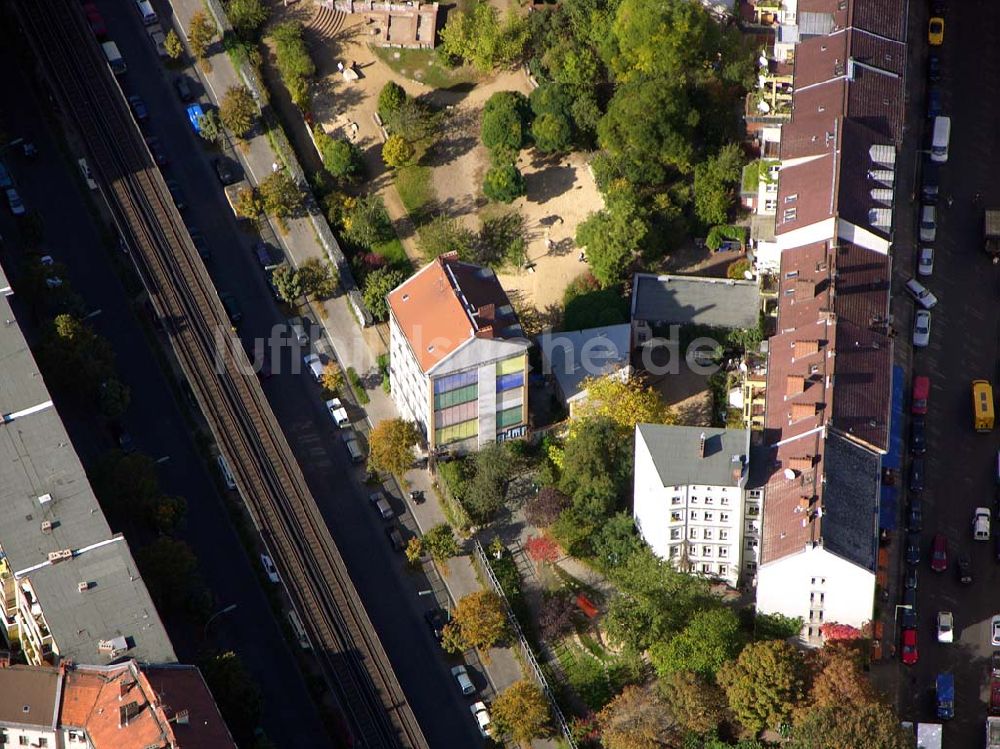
(543, 509)
(552, 132)
(587, 305)
(293, 60)
(377, 286)
(504, 184)
(737, 269)
(357, 386)
(367, 222)
(718, 234)
(238, 110)
(247, 17)
(505, 116)
(341, 158)
(397, 152)
(390, 99)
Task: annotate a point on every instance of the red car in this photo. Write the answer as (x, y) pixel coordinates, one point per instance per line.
(909, 649)
(95, 20)
(939, 553)
(921, 392)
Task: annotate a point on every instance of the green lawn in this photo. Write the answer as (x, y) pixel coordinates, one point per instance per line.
(423, 65)
(414, 185)
(394, 254)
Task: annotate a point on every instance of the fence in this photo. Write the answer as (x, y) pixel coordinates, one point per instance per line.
(482, 563)
(287, 154)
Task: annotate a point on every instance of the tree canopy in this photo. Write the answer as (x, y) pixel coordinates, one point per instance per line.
(390, 446)
(866, 726)
(612, 237)
(765, 684)
(522, 712)
(710, 639)
(637, 719)
(483, 38)
(377, 286)
(238, 110)
(478, 621)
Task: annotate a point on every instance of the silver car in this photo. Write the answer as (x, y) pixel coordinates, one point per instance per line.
(922, 329)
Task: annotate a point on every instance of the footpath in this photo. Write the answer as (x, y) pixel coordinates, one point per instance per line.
(345, 341)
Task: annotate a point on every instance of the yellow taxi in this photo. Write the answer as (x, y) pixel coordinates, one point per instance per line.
(935, 32)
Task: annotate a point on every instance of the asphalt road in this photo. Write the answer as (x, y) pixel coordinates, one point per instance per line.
(965, 334)
(387, 590)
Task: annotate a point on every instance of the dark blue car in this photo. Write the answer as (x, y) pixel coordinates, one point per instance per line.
(933, 102)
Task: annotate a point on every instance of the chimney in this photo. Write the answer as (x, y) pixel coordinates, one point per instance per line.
(182, 718)
(701, 446)
(123, 689)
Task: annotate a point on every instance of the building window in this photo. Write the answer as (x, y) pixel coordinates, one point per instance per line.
(694, 515)
(694, 500)
(708, 500)
(723, 534)
(706, 551)
(753, 510)
(456, 381)
(43, 742)
(674, 551)
(706, 569)
(723, 517)
(724, 501)
(791, 198)
(675, 534)
(455, 397)
(708, 534)
(709, 516)
(692, 533)
(722, 569)
(22, 740)
(723, 551)
(792, 274)
(462, 431)
(675, 516)
(510, 381)
(510, 417)
(675, 500)
(790, 214)
(751, 543)
(751, 566)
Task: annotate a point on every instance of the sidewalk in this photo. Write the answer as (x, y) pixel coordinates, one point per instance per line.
(346, 342)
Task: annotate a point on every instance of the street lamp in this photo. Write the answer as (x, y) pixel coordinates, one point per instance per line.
(216, 615)
(895, 614)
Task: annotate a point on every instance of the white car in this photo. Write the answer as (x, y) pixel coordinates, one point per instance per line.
(315, 365)
(925, 261)
(270, 569)
(88, 176)
(981, 524)
(921, 293)
(922, 328)
(15, 203)
(995, 631)
(338, 413)
(928, 223)
(945, 626)
(482, 716)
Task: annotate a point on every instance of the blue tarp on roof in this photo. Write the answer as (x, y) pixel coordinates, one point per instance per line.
(889, 496)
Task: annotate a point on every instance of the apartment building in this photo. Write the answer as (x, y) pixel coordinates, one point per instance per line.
(458, 357)
(70, 587)
(689, 502)
(829, 371)
(121, 706)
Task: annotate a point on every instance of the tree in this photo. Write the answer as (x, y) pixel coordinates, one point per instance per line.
(504, 184)
(390, 99)
(396, 151)
(441, 544)
(776, 626)
(615, 541)
(557, 616)
(172, 43)
(235, 692)
(715, 180)
(626, 403)
(501, 240)
(505, 117)
(238, 110)
(125, 483)
(481, 38)
(552, 132)
(210, 127)
(288, 283)
(738, 269)
(294, 63)
(839, 678)
(340, 157)
(542, 549)
(168, 567)
(612, 237)
(521, 711)
(165, 513)
(637, 719)
(201, 33)
(319, 278)
(711, 638)
(699, 706)
(247, 17)
(412, 119)
(669, 41)
(443, 234)
(597, 464)
(478, 621)
(114, 398)
(867, 726)
(390, 445)
(281, 195)
(332, 378)
(414, 550)
(543, 509)
(367, 222)
(74, 357)
(248, 203)
(486, 489)
(377, 286)
(764, 685)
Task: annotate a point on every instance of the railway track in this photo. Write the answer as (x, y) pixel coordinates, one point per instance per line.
(269, 479)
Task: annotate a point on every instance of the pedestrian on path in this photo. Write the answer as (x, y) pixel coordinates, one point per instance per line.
(274, 166)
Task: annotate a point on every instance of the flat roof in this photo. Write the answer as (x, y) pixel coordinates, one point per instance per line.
(695, 300)
(29, 695)
(42, 479)
(696, 455)
(573, 356)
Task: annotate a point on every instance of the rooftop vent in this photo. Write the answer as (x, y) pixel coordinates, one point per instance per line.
(83, 586)
(45, 498)
(406, 297)
(46, 526)
(60, 556)
(701, 446)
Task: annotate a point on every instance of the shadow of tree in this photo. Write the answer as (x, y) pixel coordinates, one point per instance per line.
(457, 136)
(549, 182)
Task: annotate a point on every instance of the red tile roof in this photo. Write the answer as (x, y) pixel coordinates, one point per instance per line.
(448, 302)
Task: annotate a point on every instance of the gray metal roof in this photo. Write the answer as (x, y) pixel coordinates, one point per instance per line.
(850, 501)
(573, 356)
(694, 300)
(42, 479)
(676, 453)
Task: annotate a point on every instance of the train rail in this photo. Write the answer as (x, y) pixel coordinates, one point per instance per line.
(267, 475)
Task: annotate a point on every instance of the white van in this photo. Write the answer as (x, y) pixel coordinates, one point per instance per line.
(146, 11)
(227, 475)
(940, 139)
(981, 524)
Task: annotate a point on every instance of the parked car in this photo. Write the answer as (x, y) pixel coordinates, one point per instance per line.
(981, 524)
(395, 538)
(921, 293)
(15, 203)
(182, 85)
(915, 515)
(945, 627)
(917, 474)
(913, 548)
(920, 394)
(935, 105)
(922, 329)
(436, 619)
(461, 675)
(964, 567)
(928, 223)
(157, 150)
(935, 31)
(385, 509)
(138, 107)
(95, 20)
(270, 569)
(909, 616)
(224, 171)
(939, 553)
(934, 67)
(908, 647)
(910, 578)
(930, 185)
(482, 716)
(918, 436)
(265, 257)
(995, 631)
(5, 179)
(925, 261)
(194, 114)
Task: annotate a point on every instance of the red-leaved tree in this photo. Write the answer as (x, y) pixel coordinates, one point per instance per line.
(542, 549)
(834, 632)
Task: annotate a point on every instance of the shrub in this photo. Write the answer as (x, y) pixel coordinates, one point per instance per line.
(504, 184)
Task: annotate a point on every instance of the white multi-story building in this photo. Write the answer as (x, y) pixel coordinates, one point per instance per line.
(689, 503)
(458, 357)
